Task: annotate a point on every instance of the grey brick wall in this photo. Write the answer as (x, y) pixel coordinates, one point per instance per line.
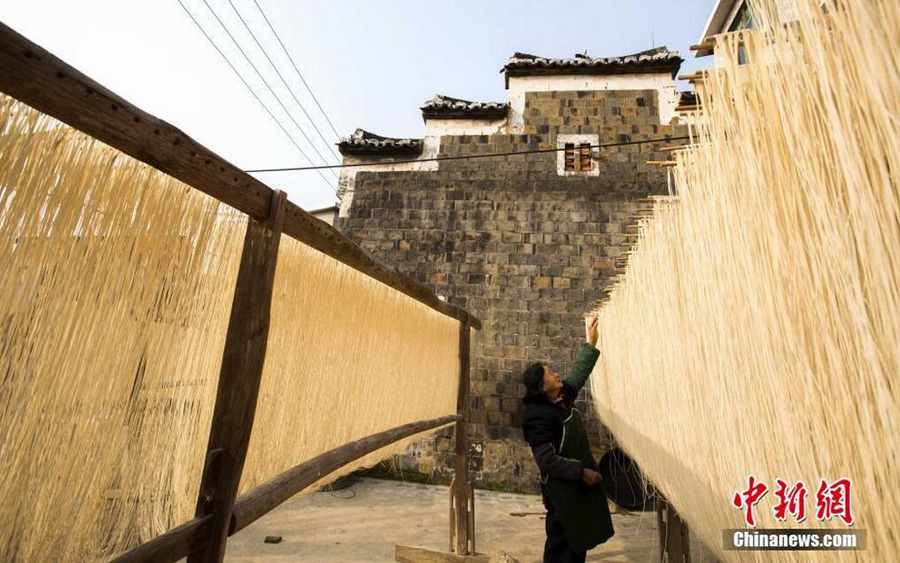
(524, 249)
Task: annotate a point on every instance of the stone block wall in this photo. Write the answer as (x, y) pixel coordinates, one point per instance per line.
(526, 250)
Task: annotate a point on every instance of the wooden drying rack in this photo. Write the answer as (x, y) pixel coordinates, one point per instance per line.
(36, 77)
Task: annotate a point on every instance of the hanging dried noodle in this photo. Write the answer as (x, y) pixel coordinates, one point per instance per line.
(348, 357)
(115, 290)
(758, 327)
(115, 287)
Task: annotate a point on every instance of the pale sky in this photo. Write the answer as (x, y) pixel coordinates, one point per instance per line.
(370, 64)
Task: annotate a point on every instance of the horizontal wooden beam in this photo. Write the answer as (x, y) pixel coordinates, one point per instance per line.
(171, 546)
(36, 77)
(256, 503)
(701, 75)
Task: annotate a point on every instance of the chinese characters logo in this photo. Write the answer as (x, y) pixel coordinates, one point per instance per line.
(833, 500)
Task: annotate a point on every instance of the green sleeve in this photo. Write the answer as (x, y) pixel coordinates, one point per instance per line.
(582, 367)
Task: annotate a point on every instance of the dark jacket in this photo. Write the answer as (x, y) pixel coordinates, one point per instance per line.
(543, 422)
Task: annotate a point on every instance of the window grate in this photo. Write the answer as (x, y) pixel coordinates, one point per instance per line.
(570, 156)
(585, 159)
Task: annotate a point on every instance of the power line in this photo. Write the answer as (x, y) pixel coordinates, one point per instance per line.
(468, 156)
(252, 91)
(283, 81)
(290, 58)
(266, 82)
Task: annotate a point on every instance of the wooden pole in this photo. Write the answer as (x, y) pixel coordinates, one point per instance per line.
(239, 377)
(256, 503)
(461, 473)
(36, 77)
(452, 548)
(173, 545)
(471, 519)
(674, 539)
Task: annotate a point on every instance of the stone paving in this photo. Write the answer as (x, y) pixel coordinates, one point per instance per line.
(365, 521)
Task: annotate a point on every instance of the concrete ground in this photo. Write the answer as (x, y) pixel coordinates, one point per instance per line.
(365, 521)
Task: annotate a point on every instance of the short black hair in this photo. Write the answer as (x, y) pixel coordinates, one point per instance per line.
(533, 378)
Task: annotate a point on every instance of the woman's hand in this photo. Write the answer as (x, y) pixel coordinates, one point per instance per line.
(592, 331)
(590, 477)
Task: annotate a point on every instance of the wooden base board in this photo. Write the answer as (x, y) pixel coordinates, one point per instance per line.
(406, 554)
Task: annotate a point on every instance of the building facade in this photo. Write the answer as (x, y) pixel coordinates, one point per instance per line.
(327, 214)
(527, 243)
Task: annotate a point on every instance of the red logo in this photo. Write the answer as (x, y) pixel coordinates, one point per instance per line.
(834, 501)
(748, 498)
(790, 501)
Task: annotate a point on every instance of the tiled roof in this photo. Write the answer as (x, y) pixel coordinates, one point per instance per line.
(445, 107)
(361, 142)
(659, 59)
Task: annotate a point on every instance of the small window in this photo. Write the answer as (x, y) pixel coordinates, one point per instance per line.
(743, 19)
(585, 159)
(570, 157)
(575, 154)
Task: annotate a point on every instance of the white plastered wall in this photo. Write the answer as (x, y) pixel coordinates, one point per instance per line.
(347, 182)
(661, 82)
(440, 127)
(434, 130)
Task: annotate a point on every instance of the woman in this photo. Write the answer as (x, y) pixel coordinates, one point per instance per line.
(578, 517)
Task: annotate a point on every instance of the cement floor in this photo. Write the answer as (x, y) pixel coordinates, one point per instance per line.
(364, 522)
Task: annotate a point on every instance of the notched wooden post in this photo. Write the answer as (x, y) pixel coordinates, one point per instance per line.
(674, 538)
(239, 376)
(460, 504)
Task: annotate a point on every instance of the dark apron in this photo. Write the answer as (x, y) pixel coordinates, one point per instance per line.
(582, 510)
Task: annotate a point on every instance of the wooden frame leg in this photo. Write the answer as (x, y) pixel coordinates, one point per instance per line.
(674, 538)
(239, 378)
(461, 461)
